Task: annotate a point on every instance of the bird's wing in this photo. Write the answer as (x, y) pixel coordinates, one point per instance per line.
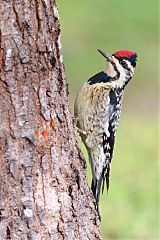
(102, 156)
(108, 146)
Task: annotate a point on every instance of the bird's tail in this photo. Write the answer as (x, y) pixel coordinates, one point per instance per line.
(100, 175)
(98, 183)
(96, 188)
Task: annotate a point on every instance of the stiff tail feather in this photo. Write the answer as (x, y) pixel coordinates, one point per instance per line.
(98, 180)
(96, 186)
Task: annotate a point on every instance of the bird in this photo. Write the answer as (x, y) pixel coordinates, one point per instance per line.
(97, 111)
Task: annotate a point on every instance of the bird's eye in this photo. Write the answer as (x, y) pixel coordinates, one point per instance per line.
(123, 63)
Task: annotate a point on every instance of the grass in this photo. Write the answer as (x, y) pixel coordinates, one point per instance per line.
(130, 210)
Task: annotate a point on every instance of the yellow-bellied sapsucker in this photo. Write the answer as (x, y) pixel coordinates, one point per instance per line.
(97, 112)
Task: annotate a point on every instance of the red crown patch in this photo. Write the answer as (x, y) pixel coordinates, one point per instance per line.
(124, 54)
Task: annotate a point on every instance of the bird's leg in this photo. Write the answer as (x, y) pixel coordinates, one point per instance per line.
(89, 143)
(79, 130)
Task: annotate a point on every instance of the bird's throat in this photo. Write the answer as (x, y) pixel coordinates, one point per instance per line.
(110, 71)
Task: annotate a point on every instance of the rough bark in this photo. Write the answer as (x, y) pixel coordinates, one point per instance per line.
(43, 188)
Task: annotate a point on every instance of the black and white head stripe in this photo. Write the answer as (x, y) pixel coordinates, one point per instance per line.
(126, 55)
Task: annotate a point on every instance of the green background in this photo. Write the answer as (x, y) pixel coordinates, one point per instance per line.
(130, 210)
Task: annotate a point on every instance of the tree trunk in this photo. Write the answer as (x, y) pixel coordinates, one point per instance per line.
(43, 188)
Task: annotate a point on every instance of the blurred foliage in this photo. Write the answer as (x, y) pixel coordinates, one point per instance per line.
(130, 209)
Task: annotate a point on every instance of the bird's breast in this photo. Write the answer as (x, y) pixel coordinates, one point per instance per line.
(98, 105)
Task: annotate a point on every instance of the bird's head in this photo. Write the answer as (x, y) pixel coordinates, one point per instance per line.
(121, 64)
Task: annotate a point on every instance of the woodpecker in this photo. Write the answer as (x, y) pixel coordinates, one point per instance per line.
(97, 112)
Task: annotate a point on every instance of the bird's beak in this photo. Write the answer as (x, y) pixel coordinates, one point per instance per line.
(106, 55)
